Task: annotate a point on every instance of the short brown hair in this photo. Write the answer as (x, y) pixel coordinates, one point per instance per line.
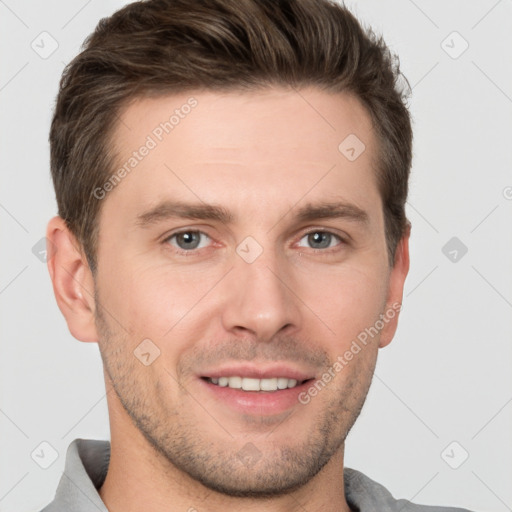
(170, 46)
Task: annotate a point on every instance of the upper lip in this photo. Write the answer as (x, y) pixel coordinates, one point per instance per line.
(254, 371)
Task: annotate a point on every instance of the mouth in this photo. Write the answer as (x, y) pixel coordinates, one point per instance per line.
(250, 384)
(256, 390)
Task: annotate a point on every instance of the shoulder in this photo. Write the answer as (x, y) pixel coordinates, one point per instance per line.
(364, 495)
(85, 469)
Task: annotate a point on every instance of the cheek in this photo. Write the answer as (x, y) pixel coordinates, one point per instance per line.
(347, 301)
(154, 302)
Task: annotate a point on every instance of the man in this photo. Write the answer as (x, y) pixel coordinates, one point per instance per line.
(231, 179)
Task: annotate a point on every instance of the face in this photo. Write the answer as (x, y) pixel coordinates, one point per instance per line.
(247, 254)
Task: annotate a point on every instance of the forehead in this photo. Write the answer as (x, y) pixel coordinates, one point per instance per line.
(249, 149)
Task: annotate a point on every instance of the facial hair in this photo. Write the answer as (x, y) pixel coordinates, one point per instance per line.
(261, 468)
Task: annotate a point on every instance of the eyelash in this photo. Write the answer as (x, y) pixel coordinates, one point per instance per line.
(341, 241)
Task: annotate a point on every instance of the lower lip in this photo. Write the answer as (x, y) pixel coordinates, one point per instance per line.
(257, 402)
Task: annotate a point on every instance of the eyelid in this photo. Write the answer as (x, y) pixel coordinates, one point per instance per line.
(342, 237)
(167, 238)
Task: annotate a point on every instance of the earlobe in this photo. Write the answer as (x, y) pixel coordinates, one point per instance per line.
(396, 289)
(73, 283)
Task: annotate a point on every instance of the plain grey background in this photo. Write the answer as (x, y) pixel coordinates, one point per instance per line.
(437, 425)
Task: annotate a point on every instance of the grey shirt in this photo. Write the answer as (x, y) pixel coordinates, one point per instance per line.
(87, 463)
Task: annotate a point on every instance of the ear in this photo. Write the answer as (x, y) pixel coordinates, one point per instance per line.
(72, 279)
(396, 289)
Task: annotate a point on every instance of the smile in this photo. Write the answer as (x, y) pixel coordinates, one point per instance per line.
(252, 384)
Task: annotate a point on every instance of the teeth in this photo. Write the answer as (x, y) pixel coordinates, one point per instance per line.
(235, 382)
(268, 384)
(292, 383)
(282, 383)
(250, 384)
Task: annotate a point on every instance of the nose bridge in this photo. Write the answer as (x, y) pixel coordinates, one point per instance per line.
(257, 298)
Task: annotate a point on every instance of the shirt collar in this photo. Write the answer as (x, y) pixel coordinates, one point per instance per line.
(84, 473)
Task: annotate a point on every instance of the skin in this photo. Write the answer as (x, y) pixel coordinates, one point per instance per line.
(262, 155)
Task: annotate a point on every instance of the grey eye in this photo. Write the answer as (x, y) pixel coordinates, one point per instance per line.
(320, 239)
(189, 240)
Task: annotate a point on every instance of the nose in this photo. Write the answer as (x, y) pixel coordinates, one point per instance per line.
(259, 300)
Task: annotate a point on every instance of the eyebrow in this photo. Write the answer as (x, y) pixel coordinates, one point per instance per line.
(332, 210)
(179, 209)
(170, 209)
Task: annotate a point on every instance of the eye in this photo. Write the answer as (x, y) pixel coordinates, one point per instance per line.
(321, 240)
(188, 240)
